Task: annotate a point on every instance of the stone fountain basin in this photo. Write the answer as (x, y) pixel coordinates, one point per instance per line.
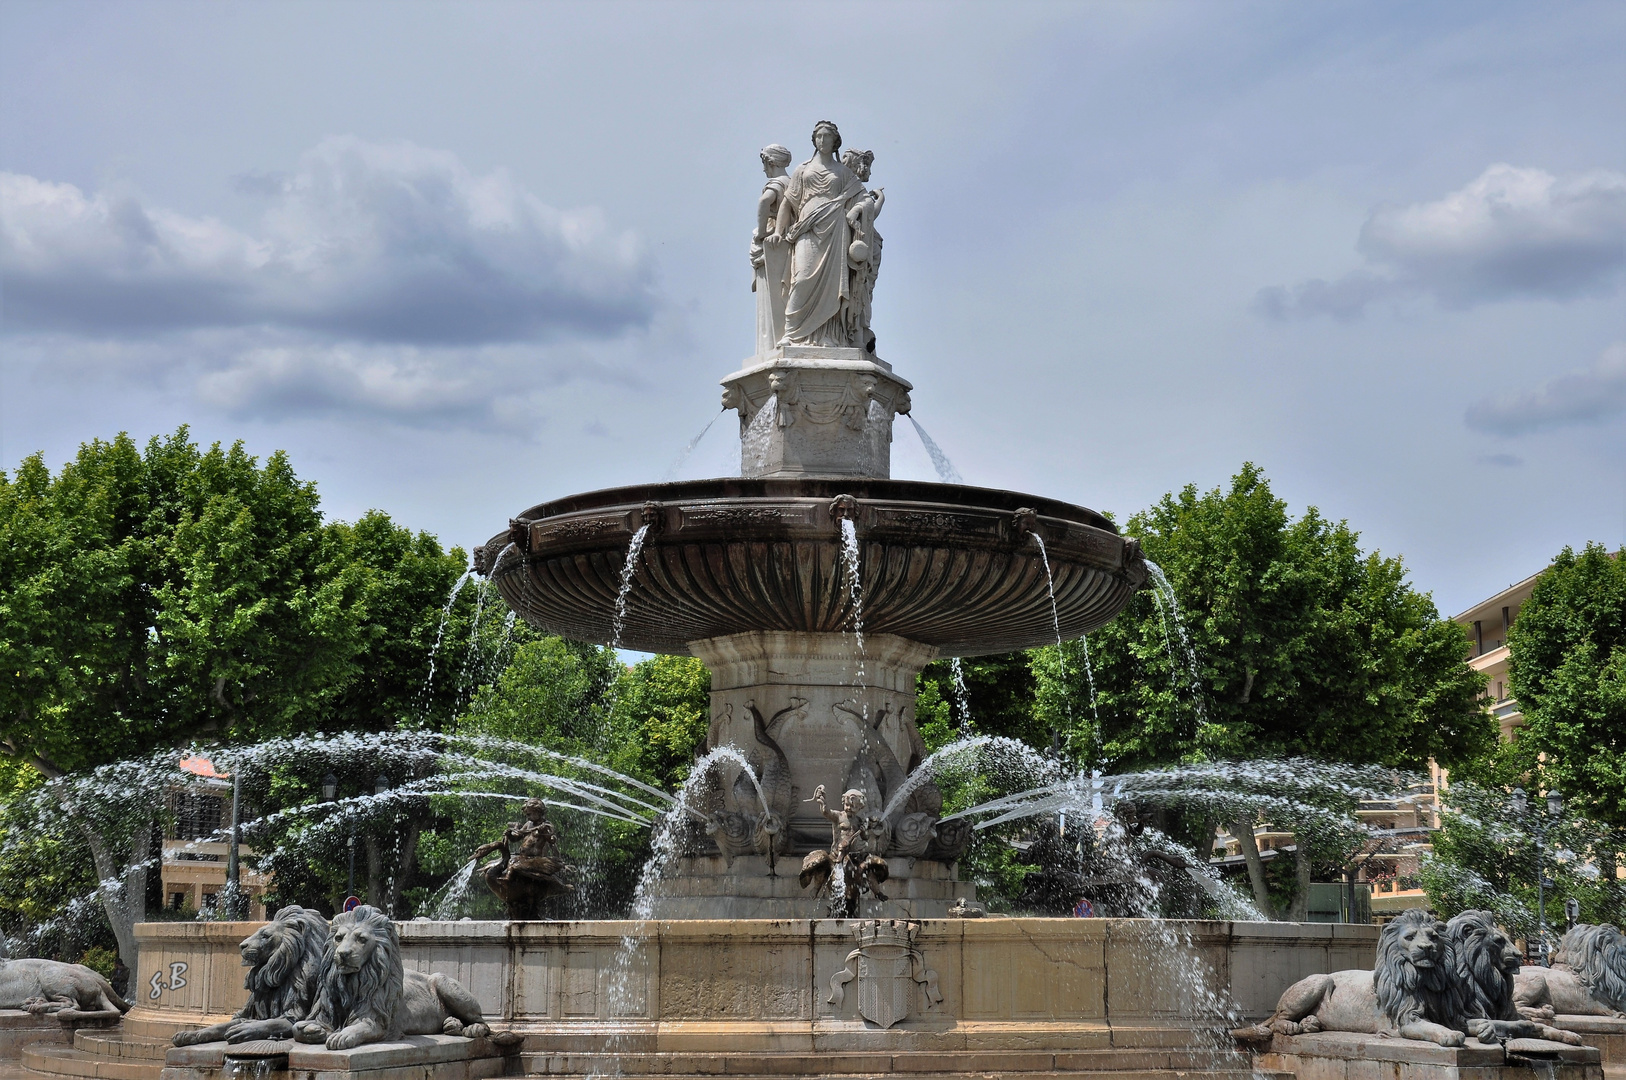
(952, 567)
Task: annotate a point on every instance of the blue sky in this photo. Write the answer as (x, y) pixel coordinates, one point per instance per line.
(460, 258)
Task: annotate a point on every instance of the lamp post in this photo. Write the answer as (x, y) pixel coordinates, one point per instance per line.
(233, 889)
(1555, 810)
(330, 793)
(381, 785)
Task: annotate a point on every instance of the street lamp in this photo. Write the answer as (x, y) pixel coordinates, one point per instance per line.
(1555, 809)
(330, 787)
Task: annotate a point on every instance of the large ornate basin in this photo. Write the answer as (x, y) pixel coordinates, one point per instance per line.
(952, 567)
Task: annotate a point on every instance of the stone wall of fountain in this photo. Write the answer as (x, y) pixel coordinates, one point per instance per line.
(716, 987)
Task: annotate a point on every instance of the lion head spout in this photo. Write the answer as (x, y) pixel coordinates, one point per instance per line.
(1415, 973)
(284, 960)
(1485, 962)
(1597, 955)
(362, 975)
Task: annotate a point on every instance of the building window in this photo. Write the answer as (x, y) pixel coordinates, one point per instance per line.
(197, 817)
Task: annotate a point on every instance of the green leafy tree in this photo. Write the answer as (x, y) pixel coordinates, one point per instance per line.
(1301, 645)
(661, 715)
(151, 598)
(999, 700)
(1486, 856)
(1567, 666)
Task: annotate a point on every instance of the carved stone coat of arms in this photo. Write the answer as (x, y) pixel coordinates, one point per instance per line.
(888, 968)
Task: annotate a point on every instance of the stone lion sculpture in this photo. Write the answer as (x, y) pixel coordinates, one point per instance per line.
(1588, 977)
(1487, 963)
(366, 996)
(284, 961)
(1409, 994)
(73, 993)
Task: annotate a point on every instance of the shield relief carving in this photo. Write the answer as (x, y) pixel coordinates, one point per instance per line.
(888, 968)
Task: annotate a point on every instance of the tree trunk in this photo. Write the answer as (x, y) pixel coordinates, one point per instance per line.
(123, 889)
(1299, 910)
(375, 873)
(409, 853)
(1256, 867)
(1608, 876)
(1204, 845)
(388, 864)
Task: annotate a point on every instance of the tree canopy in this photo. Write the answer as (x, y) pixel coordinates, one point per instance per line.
(1301, 644)
(148, 597)
(1567, 667)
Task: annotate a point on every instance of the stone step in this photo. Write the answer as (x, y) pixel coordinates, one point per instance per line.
(994, 1074)
(122, 1045)
(58, 1061)
(1123, 1064)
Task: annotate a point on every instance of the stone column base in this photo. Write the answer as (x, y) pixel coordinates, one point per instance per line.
(812, 710)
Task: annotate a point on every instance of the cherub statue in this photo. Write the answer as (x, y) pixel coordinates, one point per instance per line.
(532, 867)
(852, 851)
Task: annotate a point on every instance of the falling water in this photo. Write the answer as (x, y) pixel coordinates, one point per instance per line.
(665, 846)
(946, 471)
(628, 569)
(755, 441)
(494, 666)
(1089, 676)
(855, 591)
(1193, 671)
(469, 658)
(962, 695)
(447, 902)
(1055, 621)
(445, 613)
(671, 473)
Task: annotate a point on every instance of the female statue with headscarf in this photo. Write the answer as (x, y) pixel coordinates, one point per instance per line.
(813, 220)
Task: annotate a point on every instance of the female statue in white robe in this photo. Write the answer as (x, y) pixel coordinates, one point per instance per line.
(770, 258)
(813, 219)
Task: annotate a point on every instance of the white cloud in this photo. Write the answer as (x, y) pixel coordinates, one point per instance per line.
(1593, 394)
(362, 242)
(1510, 233)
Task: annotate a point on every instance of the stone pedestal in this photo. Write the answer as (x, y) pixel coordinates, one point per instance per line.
(1338, 1055)
(808, 710)
(1607, 1033)
(815, 411)
(412, 1057)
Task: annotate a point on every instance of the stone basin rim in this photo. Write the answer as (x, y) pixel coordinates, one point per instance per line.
(949, 566)
(815, 487)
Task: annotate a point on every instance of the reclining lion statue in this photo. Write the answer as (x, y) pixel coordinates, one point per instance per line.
(1487, 964)
(73, 993)
(1588, 977)
(284, 961)
(366, 995)
(1410, 994)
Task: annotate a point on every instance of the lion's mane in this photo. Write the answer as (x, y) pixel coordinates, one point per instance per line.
(1597, 955)
(1407, 993)
(1486, 987)
(283, 983)
(371, 992)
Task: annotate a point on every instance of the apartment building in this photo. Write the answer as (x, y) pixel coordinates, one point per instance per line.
(1488, 623)
(194, 863)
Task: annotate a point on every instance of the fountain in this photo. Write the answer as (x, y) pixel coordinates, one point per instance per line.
(814, 588)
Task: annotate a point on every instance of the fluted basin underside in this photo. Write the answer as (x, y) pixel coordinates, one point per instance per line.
(953, 567)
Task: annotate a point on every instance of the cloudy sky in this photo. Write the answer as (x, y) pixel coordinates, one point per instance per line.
(461, 258)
